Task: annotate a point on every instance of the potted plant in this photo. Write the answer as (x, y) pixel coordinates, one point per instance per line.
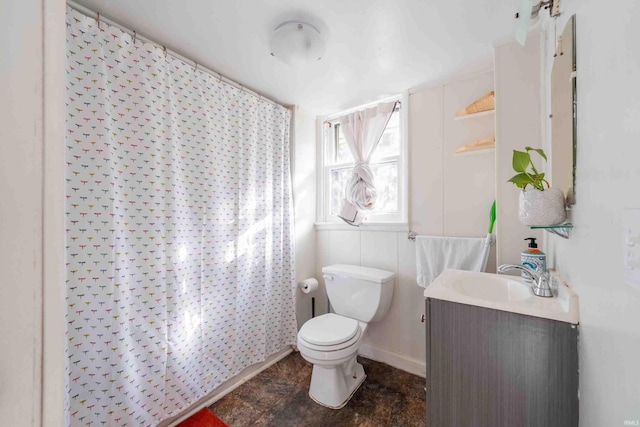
(538, 206)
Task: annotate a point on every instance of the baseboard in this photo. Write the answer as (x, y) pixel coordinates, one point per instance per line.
(228, 386)
(405, 363)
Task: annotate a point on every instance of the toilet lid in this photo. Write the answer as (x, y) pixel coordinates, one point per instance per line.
(329, 329)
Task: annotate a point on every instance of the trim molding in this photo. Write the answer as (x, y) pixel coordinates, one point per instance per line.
(402, 362)
(375, 226)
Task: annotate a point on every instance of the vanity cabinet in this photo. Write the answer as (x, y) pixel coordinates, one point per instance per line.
(491, 368)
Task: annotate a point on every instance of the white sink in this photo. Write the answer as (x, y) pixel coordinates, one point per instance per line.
(492, 288)
(506, 293)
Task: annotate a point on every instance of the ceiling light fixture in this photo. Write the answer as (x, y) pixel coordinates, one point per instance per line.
(297, 42)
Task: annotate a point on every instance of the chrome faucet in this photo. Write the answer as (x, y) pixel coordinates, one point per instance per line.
(540, 285)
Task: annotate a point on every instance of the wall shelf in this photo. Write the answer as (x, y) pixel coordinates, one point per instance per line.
(472, 115)
(483, 104)
(561, 230)
(481, 144)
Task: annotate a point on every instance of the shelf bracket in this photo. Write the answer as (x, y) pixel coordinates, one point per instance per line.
(561, 230)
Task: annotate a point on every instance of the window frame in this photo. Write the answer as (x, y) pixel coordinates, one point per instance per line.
(326, 166)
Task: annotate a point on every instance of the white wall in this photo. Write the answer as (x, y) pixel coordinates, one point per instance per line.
(31, 213)
(448, 195)
(518, 124)
(608, 181)
(304, 200)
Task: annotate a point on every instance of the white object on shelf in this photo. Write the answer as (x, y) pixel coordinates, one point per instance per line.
(542, 208)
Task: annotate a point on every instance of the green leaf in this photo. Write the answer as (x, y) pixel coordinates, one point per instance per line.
(522, 179)
(538, 185)
(520, 161)
(537, 150)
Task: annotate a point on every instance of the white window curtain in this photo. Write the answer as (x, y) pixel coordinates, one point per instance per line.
(362, 131)
(179, 230)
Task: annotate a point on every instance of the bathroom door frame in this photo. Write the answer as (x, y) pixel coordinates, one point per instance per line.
(32, 146)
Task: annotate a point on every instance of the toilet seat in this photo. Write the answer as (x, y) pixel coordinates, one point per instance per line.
(329, 332)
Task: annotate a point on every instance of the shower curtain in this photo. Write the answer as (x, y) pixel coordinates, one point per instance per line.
(179, 229)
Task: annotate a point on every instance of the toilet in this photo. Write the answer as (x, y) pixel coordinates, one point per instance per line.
(330, 342)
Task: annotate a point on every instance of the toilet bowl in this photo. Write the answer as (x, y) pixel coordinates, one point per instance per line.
(331, 341)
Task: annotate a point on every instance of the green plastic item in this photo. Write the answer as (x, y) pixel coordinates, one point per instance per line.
(492, 217)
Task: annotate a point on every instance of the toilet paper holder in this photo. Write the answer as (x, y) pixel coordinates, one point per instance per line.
(308, 285)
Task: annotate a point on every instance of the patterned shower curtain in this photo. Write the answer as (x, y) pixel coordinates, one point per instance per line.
(179, 230)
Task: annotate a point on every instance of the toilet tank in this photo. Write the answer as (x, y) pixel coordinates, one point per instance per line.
(361, 293)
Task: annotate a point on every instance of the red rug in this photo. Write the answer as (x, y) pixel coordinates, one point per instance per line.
(203, 418)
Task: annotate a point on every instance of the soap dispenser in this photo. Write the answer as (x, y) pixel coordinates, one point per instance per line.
(533, 258)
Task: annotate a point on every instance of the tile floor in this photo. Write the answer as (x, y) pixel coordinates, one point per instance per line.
(279, 396)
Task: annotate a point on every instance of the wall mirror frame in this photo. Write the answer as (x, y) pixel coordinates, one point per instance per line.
(563, 117)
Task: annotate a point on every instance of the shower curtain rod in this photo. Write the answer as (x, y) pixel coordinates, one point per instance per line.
(137, 36)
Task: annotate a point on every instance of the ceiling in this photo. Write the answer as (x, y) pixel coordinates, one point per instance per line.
(375, 48)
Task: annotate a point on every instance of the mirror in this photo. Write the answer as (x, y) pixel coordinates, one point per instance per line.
(563, 112)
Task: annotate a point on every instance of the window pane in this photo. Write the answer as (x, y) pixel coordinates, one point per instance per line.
(386, 181)
(342, 152)
(390, 142)
(339, 178)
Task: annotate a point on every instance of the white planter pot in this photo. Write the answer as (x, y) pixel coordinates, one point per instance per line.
(542, 208)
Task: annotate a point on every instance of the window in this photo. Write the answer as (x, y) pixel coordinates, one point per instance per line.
(387, 164)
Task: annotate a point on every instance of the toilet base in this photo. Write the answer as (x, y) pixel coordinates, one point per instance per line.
(333, 386)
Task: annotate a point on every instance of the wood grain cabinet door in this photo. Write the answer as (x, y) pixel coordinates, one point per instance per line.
(490, 368)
